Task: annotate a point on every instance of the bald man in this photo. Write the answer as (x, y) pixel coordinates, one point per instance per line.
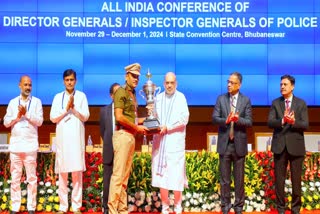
(168, 152)
(24, 116)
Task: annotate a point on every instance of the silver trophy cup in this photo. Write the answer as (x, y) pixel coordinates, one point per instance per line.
(148, 93)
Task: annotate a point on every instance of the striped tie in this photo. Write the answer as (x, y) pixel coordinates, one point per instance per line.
(287, 104)
(232, 107)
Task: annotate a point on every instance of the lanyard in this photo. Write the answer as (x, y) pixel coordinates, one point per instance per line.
(29, 103)
(63, 97)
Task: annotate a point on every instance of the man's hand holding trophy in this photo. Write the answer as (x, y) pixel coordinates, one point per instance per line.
(148, 93)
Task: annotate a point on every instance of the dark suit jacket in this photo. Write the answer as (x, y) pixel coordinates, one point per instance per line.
(220, 114)
(106, 132)
(290, 136)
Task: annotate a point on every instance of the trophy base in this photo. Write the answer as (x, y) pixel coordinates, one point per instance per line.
(153, 125)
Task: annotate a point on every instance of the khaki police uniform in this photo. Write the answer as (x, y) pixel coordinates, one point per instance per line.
(123, 141)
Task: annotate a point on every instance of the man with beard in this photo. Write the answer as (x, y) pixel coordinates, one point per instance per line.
(168, 152)
(24, 116)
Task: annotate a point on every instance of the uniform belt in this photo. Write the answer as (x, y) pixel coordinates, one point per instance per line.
(119, 127)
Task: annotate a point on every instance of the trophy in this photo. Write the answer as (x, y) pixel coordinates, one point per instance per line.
(148, 93)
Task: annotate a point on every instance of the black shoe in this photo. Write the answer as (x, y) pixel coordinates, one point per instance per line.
(31, 212)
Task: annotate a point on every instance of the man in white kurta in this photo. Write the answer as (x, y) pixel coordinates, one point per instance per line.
(168, 152)
(24, 115)
(69, 111)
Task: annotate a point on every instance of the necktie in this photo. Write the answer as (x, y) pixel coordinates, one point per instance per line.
(232, 108)
(287, 104)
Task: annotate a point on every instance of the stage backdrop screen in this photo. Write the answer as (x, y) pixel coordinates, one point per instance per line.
(202, 41)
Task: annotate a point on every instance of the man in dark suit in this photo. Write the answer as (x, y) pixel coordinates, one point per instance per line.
(106, 131)
(288, 117)
(233, 114)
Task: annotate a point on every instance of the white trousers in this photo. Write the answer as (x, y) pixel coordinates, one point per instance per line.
(29, 161)
(76, 195)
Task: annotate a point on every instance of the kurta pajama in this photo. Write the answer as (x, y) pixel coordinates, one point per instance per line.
(23, 148)
(70, 146)
(168, 152)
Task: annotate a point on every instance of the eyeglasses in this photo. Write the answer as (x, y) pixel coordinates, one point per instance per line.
(232, 83)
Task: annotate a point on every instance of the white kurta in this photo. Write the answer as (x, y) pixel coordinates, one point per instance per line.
(168, 152)
(70, 131)
(24, 134)
(23, 148)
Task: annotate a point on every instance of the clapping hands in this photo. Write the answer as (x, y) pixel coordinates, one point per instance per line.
(22, 111)
(232, 117)
(289, 117)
